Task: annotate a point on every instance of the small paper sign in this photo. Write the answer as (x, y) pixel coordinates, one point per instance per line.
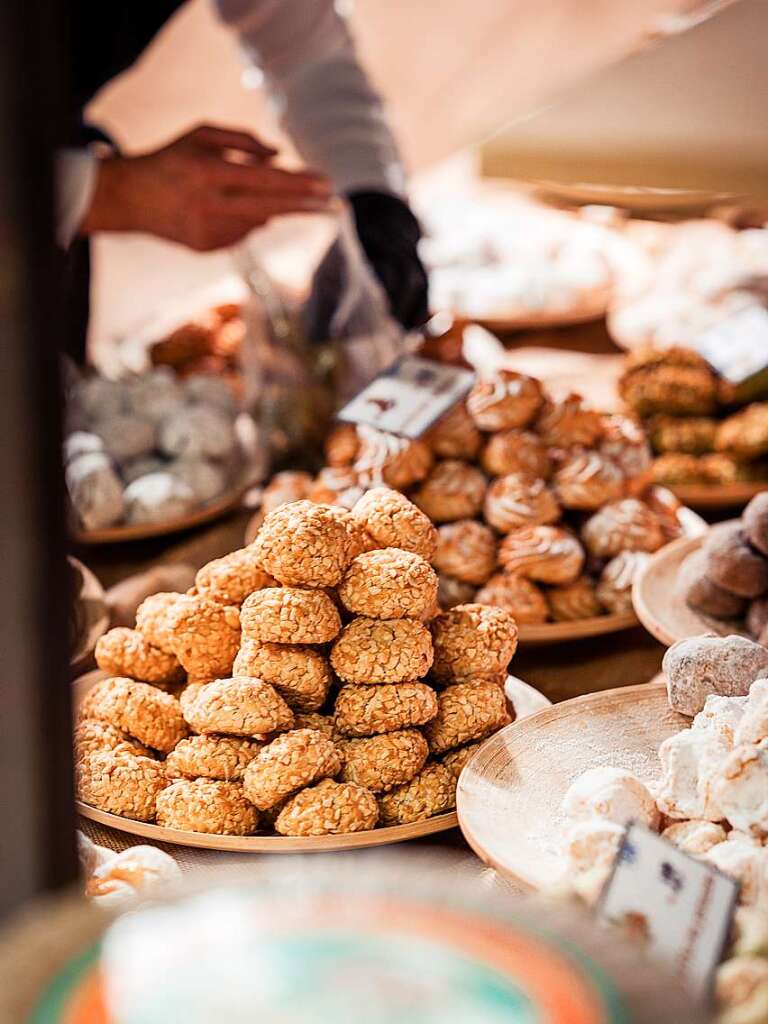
(409, 397)
(679, 907)
(737, 346)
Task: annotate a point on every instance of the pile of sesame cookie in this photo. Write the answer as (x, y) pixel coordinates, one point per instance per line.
(307, 685)
(543, 506)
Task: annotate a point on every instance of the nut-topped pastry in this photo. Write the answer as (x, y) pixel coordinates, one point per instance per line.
(455, 435)
(302, 544)
(745, 434)
(627, 525)
(472, 639)
(568, 423)
(672, 380)
(466, 551)
(524, 601)
(518, 500)
(453, 490)
(395, 522)
(375, 651)
(290, 615)
(547, 554)
(586, 479)
(516, 451)
(126, 652)
(693, 435)
(387, 459)
(505, 401)
(389, 584)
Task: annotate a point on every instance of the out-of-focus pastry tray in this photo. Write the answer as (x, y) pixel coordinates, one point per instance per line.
(693, 527)
(734, 495)
(95, 614)
(530, 700)
(503, 324)
(659, 607)
(510, 793)
(215, 509)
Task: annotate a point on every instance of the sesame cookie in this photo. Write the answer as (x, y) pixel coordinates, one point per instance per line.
(455, 760)
(206, 635)
(453, 490)
(395, 522)
(320, 723)
(300, 675)
(239, 707)
(367, 710)
(329, 808)
(547, 554)
(518, 500)
(467, 711)
(303, 544)
(504, 401)
(229, 580)
(432, 791)
(211, 757)
(139, 709)
(153, 620)
(121, 783)
(292, 761)
(289, 615)
(455, 435)
(382, 762)
(92, 735)
(466, 551)
(382, 651)
(389, 584)
(472, 638)
(524, 601)
(207, 805)
(126, 652)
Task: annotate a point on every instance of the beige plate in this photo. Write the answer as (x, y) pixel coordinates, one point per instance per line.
(531, 321)
(559, 632)
(510, 792)
(633, 197)
(118, 534)
(96, 612)
(719, 495)
(283, 844)
(659, 609)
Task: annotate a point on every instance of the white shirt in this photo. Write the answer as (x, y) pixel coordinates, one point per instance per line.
(327, 104)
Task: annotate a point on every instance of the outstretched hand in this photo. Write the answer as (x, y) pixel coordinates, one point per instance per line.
(206, 190)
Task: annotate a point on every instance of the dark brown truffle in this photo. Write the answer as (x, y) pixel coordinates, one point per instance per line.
(732, 564)
(702, 595)
(754, 522)
(757, 617)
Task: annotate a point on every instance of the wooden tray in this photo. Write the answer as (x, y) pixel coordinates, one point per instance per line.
(719, 495)
(510, 792)
(96, 615)
(658, 607)
(120, 534)
(516, 688)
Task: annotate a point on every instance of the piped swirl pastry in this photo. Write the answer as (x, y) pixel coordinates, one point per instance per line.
(519, 500)
(548, 554)
(504, 401)
(516, 451)
(567, 423)
(627, 525)
(587, 480)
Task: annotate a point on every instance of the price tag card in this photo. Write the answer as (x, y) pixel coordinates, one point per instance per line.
(737, 346)
(409, 397)
(680, 907)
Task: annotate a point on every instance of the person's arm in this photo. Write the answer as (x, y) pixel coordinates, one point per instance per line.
(338, 124)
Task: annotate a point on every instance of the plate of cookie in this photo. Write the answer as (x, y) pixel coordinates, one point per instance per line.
(522, 700)
(335, 710)
(715, 583)
(510, 794)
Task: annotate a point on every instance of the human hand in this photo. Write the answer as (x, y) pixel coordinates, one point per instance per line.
(206, 190)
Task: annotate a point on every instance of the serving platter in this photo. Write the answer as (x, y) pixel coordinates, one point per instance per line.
(226, 502)
(660, 609)
(706, 496)
(510, 792)
(529, 700)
